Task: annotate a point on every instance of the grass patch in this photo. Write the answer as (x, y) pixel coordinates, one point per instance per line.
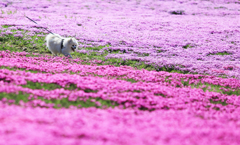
(221, 7)
(160, 94)
(220, 53)
(98, 47)
(16, 97)
(52, 86)
(187, 46)
(91, 102)
(89, 56)
(20, 40)
(22, 69)
(212, 88)
(131, 80)
(219, 102)
(48, 86)
(12, 98)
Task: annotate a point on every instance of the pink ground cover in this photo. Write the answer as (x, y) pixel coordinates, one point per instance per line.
(179, 115)
(116, 126)
(195, 36)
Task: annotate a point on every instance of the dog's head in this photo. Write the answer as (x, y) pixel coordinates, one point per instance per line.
(73, 44)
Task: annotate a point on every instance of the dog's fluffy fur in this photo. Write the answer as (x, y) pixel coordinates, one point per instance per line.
(54, 45)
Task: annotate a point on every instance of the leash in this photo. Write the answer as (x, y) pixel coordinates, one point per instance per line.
(46, 30)
(37, 24)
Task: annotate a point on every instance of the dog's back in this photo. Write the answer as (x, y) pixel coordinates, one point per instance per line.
(53, 43)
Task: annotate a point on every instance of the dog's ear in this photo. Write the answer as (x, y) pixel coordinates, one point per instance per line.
(70, 40)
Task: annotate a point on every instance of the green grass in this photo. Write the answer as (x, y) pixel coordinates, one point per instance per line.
(58, 103)
(51, 86)
(219, 102)
(26, 43)
(65, 103)
(187, 46)
(22, 69)
(221, 7)
(17, 97)
(97, 48)
(220, 53)
(131, 80)
(114, 61)
(48, 86)
(212, 88)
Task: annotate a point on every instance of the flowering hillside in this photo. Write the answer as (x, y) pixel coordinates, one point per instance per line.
(146, 72)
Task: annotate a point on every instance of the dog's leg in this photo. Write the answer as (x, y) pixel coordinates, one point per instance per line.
(54, 54)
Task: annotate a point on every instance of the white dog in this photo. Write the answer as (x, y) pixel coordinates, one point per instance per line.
(59, 45)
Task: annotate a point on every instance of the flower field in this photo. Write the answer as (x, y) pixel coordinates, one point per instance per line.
(146, 72)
